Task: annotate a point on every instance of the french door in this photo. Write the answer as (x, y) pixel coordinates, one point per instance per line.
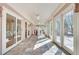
(63, 30)
(18, 29)
(58, 30)
(10, 30)
(68, 31)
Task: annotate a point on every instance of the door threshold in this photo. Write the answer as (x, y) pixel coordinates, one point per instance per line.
(66, 52)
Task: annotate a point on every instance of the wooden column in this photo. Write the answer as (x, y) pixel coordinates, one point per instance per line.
(77, 7)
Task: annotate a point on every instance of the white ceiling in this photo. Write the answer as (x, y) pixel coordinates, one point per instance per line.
(30, 10)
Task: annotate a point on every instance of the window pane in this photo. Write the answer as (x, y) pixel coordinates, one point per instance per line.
(68, 30)
(18, 29)
(10, 30)
(57, 29)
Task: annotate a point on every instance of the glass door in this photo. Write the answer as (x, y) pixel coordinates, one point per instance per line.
(10, 30)
(68, 31)
(57, 30)
(18, 30)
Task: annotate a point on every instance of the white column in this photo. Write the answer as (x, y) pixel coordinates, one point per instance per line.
(22, 29)
(3, 30)
(76, 30)
(76, 34)
(0, 30)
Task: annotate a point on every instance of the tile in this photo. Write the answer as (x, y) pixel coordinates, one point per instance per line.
(34, 46)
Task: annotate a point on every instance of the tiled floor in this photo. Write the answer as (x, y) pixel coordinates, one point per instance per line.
(34, 46)
(20, 49)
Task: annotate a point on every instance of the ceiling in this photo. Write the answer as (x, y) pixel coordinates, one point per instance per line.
(30, 10)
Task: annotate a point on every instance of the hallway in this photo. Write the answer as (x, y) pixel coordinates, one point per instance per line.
(36, 46)
(39, 29)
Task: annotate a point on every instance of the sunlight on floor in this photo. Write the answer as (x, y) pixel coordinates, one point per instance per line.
(52, 51)
(37, 45)
(68, 42)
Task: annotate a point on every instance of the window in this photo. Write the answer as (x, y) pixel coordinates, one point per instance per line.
(18, 29)
(68, 30)
(10, 30)
(57, 29)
